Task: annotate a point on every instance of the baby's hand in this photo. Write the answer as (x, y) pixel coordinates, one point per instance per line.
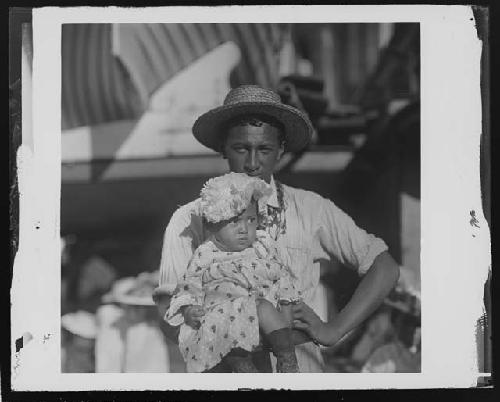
(193, 315)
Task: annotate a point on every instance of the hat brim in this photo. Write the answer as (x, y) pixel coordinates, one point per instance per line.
(298, 128)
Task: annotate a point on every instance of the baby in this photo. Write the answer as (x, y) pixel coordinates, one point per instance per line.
(235, 286)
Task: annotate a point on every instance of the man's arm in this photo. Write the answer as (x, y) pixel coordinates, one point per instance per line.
(340, 237)
(380, 279)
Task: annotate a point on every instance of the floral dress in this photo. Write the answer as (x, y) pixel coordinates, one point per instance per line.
(227, 285)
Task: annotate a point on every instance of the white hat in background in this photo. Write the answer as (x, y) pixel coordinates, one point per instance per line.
(81, 323)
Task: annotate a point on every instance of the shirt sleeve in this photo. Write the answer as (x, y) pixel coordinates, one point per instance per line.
(182, 235)
(341, 237)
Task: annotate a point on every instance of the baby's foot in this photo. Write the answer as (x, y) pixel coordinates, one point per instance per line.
(286, 362)
(241, 364)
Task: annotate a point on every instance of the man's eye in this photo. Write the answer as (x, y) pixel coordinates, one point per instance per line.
(239, 150)
(265, 150)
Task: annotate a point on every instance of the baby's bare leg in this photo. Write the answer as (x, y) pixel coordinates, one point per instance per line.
(276, 327)
(270, 319)
(298, 336)
(287, 313)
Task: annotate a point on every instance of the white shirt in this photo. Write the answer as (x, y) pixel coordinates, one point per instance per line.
(315, 229)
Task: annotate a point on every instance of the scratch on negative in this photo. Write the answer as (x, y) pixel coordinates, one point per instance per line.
(20, 343)
(23, 340)
(473, 221)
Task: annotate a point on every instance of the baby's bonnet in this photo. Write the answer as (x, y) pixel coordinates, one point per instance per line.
(227, 196)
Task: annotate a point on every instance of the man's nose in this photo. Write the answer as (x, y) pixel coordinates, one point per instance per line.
(252, 161)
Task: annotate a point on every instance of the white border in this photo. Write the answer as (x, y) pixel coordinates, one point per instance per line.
(454, 263)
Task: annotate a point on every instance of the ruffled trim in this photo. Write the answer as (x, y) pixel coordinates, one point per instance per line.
(227, 196)
(173, 315)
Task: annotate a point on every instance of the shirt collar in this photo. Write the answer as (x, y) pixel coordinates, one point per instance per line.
(273, 199)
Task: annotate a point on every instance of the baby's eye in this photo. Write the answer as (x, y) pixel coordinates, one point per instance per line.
(252, 219)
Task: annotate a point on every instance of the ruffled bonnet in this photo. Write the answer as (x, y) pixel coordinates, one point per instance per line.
(227, 196)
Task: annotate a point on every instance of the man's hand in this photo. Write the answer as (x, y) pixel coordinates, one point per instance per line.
(307, 320)
(193, 315)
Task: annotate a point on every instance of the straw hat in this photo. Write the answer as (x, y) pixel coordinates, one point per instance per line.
(252, 99)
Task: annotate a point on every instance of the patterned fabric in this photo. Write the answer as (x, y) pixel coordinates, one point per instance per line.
(316, 229)
(274, 220)
(227, 284)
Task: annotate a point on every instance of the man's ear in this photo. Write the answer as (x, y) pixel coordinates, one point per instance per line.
(222, 151)
(281, 150)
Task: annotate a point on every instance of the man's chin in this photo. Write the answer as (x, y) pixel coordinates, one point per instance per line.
(264, 177)
(259, 175)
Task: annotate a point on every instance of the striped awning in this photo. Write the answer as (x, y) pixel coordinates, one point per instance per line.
(95, 87)
(111, 70)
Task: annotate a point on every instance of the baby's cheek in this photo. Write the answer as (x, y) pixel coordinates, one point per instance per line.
(252, 236)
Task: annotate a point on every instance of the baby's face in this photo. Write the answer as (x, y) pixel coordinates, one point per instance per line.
(239, 233)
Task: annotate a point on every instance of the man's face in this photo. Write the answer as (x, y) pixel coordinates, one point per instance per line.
(239, 233)
(253, 150)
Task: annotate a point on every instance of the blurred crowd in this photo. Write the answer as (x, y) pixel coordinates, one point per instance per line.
(112, 326)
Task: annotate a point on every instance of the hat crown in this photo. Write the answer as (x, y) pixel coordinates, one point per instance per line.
(251, 93)
(255, 100)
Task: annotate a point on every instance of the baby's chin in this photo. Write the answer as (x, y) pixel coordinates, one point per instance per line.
(241, 246)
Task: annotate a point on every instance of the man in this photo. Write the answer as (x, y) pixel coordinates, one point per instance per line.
(252, 130)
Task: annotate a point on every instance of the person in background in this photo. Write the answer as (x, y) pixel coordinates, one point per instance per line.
(252, 130)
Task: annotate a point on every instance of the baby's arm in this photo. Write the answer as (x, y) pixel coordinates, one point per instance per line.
(185, 305)
(192, 315)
